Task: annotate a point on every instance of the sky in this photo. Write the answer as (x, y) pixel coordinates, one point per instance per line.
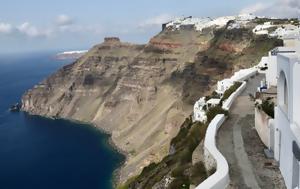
(39, 25)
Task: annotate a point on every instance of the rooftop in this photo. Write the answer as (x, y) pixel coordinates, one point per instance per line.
(278, 50)
(295, 56)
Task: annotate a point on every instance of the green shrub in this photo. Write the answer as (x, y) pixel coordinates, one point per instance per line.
(182, 183)
(183, 132)
(268, 107)
(213, 111)
(261, 20)
(214, 94)
(231, 90)
(178, 171)
(212, 171)
(123, 187)
(126, 185)
(186, 155)
(207, 98)
(198, 173)
(150, 167)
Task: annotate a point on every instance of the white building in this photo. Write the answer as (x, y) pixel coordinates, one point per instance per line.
(285, 31)
(262, 29)
(287, 119)
(263, 62)
(271, 61)
(199, 110)
(200, 23)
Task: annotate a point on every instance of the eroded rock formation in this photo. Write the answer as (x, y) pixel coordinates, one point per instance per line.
(141, 94)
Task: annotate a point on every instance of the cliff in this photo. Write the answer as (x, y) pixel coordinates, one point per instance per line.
(141, 94)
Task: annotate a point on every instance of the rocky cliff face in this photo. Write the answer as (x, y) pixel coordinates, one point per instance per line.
(141, 94)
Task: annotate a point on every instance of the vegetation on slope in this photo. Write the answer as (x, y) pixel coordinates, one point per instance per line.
(267, 106)
(231, 90)
(236, 48)
(176, 170)
(213, 111)
(177, 166)
(278, 21)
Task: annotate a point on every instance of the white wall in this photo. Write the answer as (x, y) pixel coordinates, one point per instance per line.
(296, 93)
(212, 156)
(272, 134)
(244, 74)
(285, 146)
(220, 179)
(223, 85)
(287, 129)
(228, 102)
(262, 126)
(271, 73)
(289, 42)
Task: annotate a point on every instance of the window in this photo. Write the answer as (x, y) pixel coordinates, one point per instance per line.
(285, 95)
(283, 92)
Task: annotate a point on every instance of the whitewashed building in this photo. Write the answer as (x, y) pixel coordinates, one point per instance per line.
(200, 23)
(287, 119)
(271, 72)
(286, 31)
(262, 29)
(199, 110)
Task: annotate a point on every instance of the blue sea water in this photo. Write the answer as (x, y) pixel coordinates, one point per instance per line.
(40, 153)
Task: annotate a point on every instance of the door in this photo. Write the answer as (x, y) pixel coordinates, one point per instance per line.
(277, 145)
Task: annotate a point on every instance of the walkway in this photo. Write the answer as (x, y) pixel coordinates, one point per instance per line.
(239, 143)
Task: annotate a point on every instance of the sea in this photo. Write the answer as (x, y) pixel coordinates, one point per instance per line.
(42, 153)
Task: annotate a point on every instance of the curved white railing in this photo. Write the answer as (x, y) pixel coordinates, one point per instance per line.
(228, 102)
(220, 179)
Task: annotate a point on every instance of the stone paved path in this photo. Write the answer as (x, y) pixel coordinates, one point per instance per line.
(239, 143)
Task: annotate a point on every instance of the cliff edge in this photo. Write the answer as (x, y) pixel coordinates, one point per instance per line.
(141, 94)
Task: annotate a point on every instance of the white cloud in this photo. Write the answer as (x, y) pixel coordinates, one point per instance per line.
(29, 30)
(5, 28)
(63, 24)
(254, 8)
(279, 8)
(25, 29)
(64, 20)
(155, 21)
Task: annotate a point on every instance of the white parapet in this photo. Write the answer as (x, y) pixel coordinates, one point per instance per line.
(223, 85)
(220, 179)
(244, 74)
(212, 156)
(238, 76)
(228, 102)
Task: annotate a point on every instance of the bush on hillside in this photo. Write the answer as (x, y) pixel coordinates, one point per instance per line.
(213, 111)
(231, 90)
(267, 106)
